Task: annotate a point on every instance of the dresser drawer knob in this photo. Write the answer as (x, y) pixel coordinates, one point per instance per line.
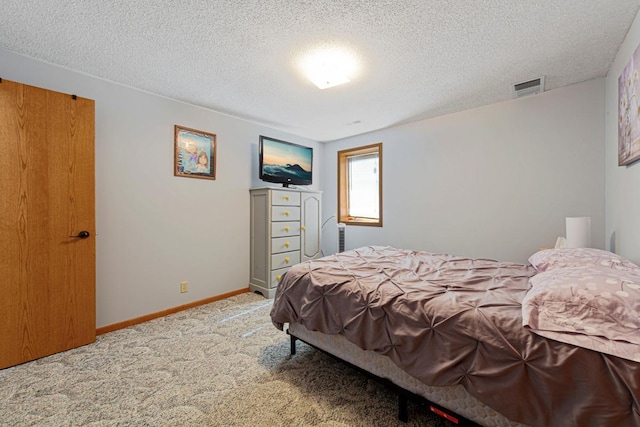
(286, 213)
(286, 197)
(303, 228)
(286, 244)
(286, 229)
(278, 277)
(286, 260)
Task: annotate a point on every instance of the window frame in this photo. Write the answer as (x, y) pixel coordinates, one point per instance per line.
(343, 184)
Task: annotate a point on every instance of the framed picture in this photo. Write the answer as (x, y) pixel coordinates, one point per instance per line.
(195, 153)
(629, 112)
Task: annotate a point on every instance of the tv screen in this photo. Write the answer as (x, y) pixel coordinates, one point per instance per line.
(284, 162)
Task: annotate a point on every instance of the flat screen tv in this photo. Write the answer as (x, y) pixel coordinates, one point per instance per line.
(284, 162)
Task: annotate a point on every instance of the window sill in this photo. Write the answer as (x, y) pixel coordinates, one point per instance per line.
(362, 221)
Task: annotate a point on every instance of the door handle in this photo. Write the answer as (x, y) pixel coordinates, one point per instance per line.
(82, 235)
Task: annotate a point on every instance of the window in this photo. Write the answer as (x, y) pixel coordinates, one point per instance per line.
(360, 185)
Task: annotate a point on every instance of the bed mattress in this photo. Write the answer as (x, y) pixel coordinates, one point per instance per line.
(448, 321)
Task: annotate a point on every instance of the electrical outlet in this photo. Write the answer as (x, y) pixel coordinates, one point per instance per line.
(184, 287)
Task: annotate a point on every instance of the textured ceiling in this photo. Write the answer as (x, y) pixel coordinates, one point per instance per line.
(418, 59)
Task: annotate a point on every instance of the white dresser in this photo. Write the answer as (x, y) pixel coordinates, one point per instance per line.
(285, 230)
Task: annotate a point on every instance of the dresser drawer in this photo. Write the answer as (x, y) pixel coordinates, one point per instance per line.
(282, 229)
(276, 276)
(285, 198)
(285, 244)
(285, 259)
(285, 213)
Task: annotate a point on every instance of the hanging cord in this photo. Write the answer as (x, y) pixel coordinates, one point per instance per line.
(327, 220)
(322, 227)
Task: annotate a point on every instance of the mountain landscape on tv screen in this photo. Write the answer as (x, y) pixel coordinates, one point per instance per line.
(287, 171)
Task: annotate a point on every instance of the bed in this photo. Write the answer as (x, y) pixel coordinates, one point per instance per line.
(550, 343)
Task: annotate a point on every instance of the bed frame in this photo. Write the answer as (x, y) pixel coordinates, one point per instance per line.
(397, 380)
(403, 394)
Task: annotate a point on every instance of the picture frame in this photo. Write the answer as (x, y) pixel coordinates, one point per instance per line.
(629, 112)
(194, 153)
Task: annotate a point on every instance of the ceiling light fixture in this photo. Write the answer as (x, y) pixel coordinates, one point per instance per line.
(329, 67)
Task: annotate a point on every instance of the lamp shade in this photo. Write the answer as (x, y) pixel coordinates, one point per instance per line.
(578, 232)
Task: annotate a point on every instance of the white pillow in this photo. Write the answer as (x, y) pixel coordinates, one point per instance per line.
(596, 301)
(579, 257)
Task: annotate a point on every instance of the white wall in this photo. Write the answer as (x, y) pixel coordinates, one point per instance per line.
(154, 229)
(496, 181)
(622, 182)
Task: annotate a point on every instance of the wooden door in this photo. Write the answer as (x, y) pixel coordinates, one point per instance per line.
(47, 277)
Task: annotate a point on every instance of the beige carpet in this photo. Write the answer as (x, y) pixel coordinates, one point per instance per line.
(222, 364)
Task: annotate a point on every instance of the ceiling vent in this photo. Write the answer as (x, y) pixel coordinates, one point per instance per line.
(518, 90)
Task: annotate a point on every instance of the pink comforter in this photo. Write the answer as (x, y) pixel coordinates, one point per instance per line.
(448, 320)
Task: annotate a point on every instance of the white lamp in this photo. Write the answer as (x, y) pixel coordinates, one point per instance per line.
(578, 232)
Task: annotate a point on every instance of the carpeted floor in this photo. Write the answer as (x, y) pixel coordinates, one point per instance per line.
(222, 364)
